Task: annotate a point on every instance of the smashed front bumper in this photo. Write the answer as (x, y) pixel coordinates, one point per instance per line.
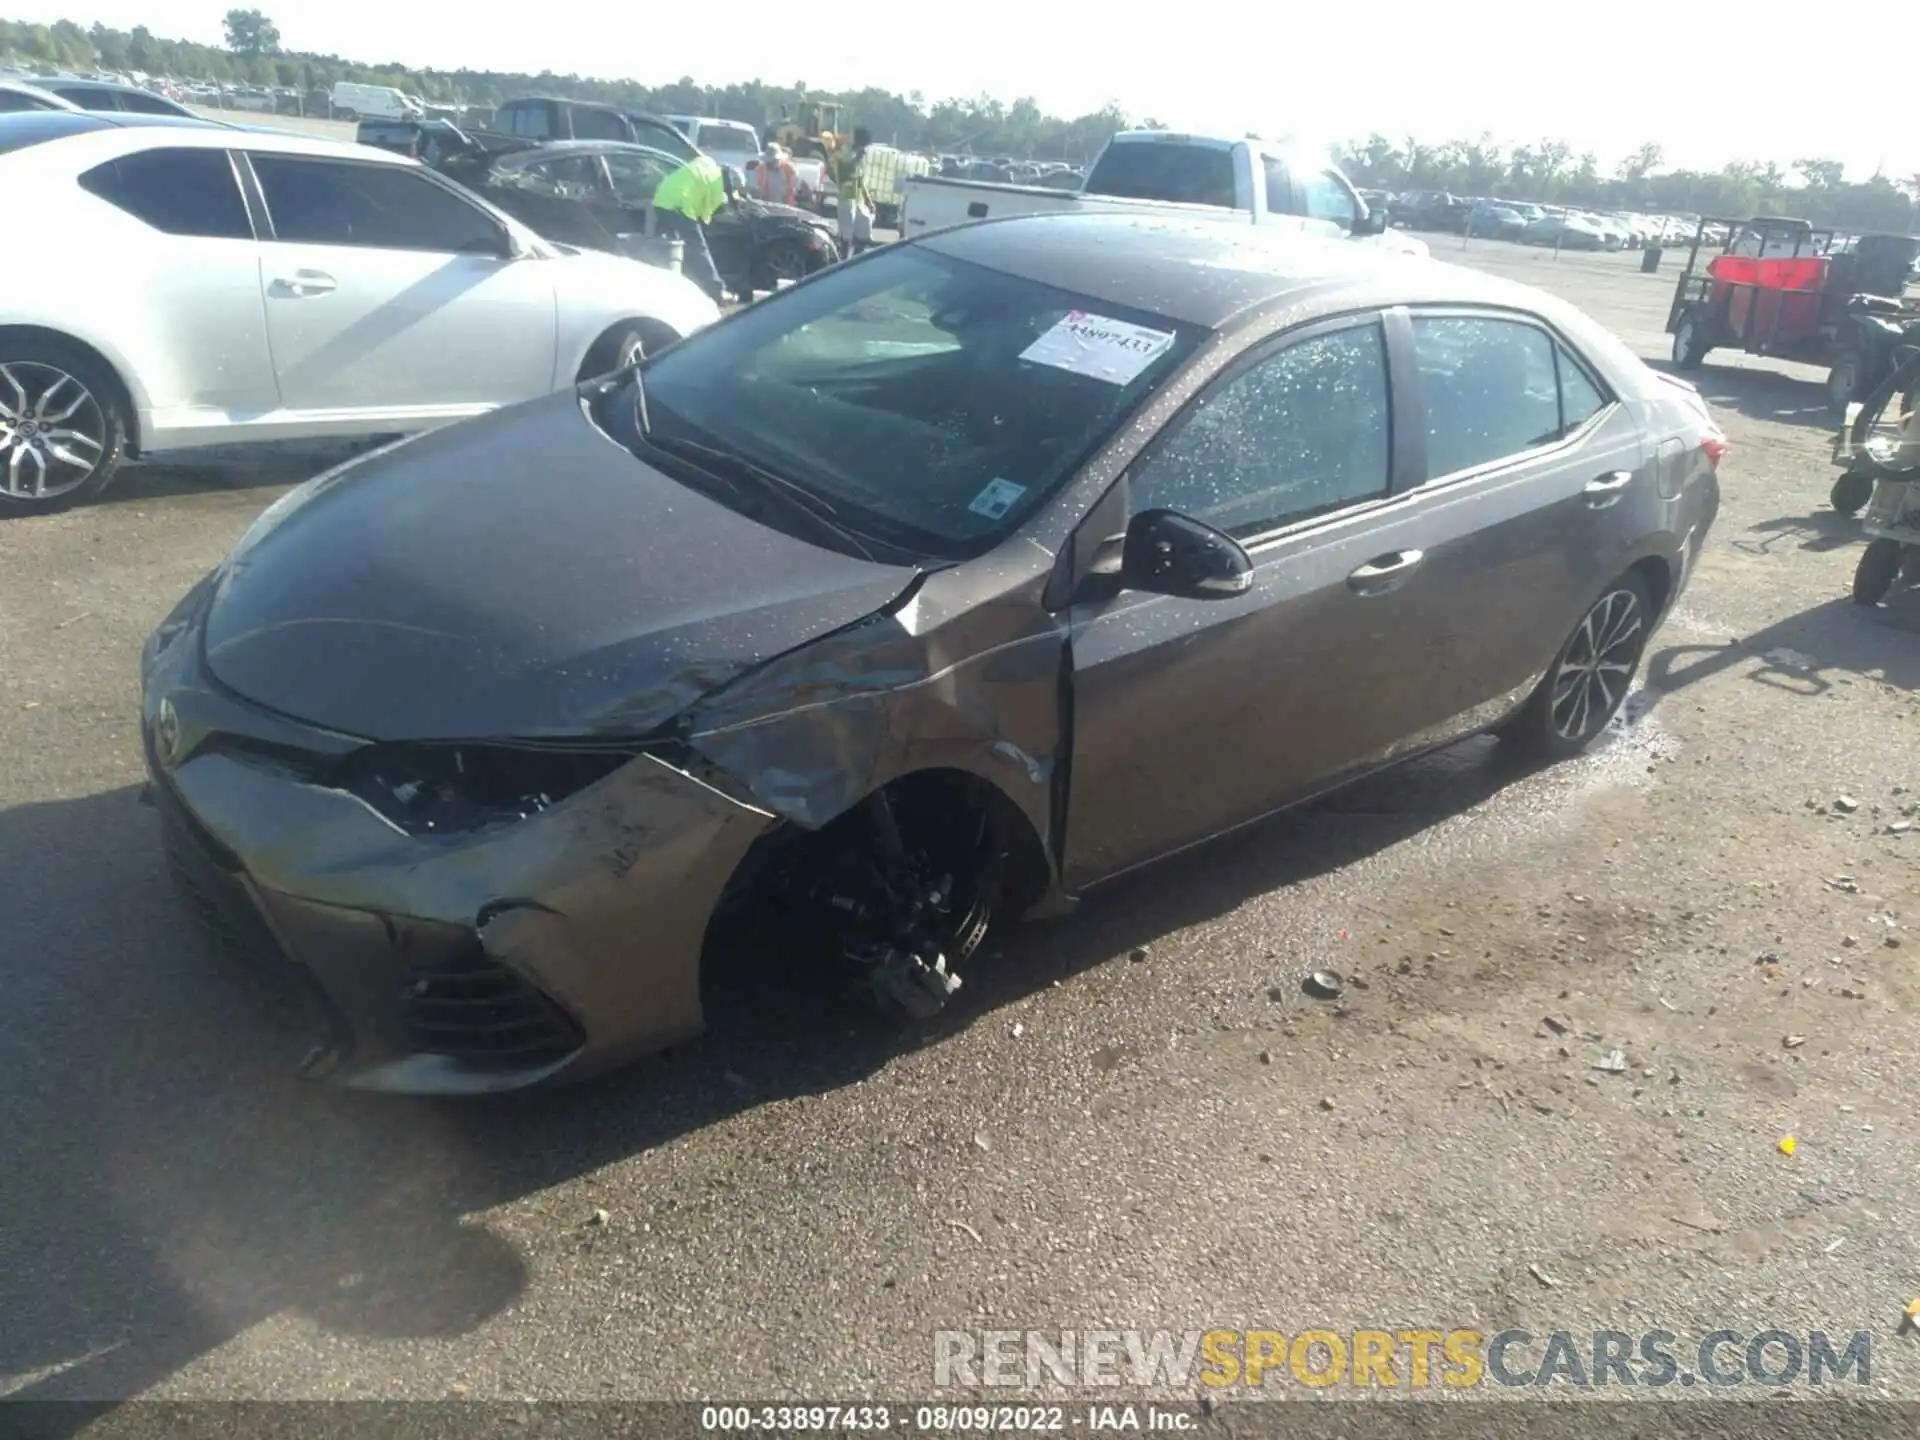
(548, 947)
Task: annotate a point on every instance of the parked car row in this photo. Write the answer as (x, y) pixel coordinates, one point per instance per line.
(1536, 224)
(197, 283)
(68, 92)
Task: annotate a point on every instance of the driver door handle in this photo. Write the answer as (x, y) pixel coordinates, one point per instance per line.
(1385, 572)
(305, 282)
(1606, 490)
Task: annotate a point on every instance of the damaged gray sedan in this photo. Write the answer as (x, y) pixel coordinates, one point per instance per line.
(933, 591)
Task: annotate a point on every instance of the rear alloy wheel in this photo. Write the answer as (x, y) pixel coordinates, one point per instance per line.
(1591, 675)
(61, 436)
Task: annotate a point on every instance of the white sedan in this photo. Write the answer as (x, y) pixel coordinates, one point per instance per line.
(195, 284)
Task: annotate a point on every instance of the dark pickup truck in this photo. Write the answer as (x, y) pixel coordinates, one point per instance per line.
(539, 118)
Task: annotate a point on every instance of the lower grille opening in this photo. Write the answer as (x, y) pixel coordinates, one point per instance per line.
(474, 1009)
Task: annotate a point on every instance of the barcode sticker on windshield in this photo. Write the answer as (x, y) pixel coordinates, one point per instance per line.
(1109, 350)
(997, 498)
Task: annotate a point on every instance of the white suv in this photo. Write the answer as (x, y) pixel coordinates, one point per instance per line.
(189, 284)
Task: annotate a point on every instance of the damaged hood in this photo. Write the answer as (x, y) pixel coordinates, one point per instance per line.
(517, 576)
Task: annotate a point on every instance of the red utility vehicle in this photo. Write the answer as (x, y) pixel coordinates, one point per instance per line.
(1785, 288)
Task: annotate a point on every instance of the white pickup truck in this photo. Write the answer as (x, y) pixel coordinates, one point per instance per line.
(1253, 181)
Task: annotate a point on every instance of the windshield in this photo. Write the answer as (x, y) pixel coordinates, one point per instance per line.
(934, 404)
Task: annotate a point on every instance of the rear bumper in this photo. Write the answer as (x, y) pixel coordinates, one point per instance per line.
(540, 950)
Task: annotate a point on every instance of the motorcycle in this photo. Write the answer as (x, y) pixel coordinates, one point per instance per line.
(1882, 473)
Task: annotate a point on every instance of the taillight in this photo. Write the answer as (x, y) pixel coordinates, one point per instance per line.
(1714, 445)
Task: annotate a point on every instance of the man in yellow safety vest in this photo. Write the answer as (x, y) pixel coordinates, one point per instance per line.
(683, 204)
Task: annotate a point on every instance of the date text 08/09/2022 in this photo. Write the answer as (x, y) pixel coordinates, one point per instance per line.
(946, 1419)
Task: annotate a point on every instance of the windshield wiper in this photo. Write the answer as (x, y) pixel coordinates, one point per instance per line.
(735, 468)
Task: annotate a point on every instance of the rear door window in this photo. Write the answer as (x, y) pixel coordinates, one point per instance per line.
(139, 103)
(530, 121)
(1158, 170)
(1492, 389)
(382, 207)
(636, 176)
(661, 136)
(178, 191)
(591, 124)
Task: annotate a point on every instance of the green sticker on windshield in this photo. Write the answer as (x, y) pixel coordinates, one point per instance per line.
(994, 501)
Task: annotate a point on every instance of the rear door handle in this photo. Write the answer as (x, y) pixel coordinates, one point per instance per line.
(1606, 489)
(1385, 572)
(306, 282)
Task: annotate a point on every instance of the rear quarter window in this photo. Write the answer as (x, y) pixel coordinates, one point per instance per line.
(1153, 170)
(176, 191)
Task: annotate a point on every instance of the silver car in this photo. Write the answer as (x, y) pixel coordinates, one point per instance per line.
(953, 581)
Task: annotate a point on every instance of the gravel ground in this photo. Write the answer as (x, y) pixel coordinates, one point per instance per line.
(1135, 1120)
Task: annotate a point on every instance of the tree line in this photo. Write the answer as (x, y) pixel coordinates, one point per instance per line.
(1549, 171)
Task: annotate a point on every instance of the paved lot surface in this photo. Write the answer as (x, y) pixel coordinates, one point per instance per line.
(315, 125)
(792, 1207)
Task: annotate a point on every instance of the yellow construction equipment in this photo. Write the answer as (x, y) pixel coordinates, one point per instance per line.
(816, 131)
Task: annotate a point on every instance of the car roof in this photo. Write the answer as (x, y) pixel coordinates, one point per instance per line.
(21, 128)
(1216, 275)
(56, 83)
(106, 134)
(35, 89)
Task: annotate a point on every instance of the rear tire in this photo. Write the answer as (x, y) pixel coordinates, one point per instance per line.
(1879, 567)
(1589, 679)
(616, 350)
(1846, 382)
(1690, 344)
(1851, 492)
(63, 427)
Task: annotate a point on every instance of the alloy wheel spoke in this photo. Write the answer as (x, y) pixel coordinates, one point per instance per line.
(71, 437)
(1577, 719)
(1623, 628)
(1598, 682)
(17, 465)
(46, 415)
(13, 395)
(67, 457)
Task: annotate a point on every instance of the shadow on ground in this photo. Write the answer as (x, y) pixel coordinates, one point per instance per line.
(169, 1185)
(1809, 653)
(1759, 394)
(1817, 530)
(227, 467)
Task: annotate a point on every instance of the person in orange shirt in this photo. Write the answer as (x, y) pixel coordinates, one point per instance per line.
(774, 178)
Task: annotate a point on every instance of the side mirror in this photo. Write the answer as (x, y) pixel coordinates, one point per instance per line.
(1167, 553)
(1374, 222)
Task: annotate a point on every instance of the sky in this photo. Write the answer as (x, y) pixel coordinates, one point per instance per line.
(1708, 82)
